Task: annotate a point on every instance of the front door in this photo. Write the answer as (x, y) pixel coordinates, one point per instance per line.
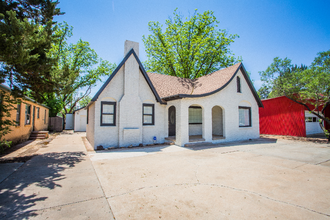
(171, 121)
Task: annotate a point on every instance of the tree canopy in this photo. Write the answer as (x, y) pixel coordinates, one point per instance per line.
(188, 48)
(77, 67)
(26, 29)
(307, 86)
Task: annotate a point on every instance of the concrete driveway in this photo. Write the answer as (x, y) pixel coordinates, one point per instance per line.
(259, 179)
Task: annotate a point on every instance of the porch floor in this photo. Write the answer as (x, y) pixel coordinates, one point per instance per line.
(197, 138)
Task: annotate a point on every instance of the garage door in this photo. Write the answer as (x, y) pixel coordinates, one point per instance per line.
(312, 124)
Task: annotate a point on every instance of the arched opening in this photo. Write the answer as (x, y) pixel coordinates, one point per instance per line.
(195, 123)
(171, 121)
(217, 123)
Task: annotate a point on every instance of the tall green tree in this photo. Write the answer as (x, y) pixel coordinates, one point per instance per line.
(84, 101)
(26, 35)
(26, 30)
(188, 48)
(78, 68)
(309, 87)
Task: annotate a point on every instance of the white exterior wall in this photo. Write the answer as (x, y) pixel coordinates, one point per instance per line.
(107, 136)
(90, 127)
(80, 120)
(229, 100)
(129, 90)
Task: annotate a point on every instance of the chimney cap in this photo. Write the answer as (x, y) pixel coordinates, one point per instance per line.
(129, 45)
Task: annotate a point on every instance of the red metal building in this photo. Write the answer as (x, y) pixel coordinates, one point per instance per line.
(282, 116)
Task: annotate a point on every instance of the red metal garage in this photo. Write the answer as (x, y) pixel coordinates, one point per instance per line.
(282, 116)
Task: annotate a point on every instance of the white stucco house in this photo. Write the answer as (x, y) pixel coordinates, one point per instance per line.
(135, 107)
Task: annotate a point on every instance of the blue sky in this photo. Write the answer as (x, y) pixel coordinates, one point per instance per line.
(267, 28)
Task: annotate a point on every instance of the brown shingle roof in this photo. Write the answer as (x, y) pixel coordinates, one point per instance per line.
(166, 85)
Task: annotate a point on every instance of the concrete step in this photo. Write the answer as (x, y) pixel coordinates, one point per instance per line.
(40, 132)
(34, 138)
(198, 144)
(39, 135)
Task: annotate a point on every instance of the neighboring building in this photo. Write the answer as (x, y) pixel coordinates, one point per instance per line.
(30, 116)
(282, 116)
(80, 119)
(134, 107)
(69, 121)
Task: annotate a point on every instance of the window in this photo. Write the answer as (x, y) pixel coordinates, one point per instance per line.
(244, 116)
(195, 115)
(38, 112)
(108, 114)
(27, 114)
(18, 115)
(238, 81)
(310, 119)
(87, 115)
(148, 114)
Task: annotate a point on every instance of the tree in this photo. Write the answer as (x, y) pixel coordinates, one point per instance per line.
(190, 48)
(84, 101)
(309, 87)
(26, 28)
(78, 67)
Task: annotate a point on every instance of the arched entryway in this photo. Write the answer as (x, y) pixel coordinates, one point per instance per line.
(171, 121)
(195, 123)
(217, 123)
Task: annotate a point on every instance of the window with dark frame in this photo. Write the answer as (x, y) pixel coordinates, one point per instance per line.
(244, 116)
(27, 114)
(38, 112)
(108, 113)
(238, 80)
(18, 115)
(45, 116)
(195, 115)
(148, 114)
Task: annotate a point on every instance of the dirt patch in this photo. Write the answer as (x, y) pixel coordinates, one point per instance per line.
(318, 140)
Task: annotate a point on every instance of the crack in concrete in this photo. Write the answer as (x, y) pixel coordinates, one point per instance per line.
(223, 186)
(57, 206)
(322, 162)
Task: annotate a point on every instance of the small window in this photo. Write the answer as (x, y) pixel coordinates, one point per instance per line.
(195, 115)
(148, 114)
(27, 114)
(238, 80)
(87, 115)
(38, 112)
(244, 116)
(108, 114)
(18, 115)
(310, 119)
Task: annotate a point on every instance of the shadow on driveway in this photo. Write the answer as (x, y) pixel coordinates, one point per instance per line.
(19, 192)
(258, 141)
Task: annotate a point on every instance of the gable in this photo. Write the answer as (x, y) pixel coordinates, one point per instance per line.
(171, 87)
(114, 73)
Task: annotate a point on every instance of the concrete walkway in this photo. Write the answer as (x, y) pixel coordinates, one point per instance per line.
(60, 183)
